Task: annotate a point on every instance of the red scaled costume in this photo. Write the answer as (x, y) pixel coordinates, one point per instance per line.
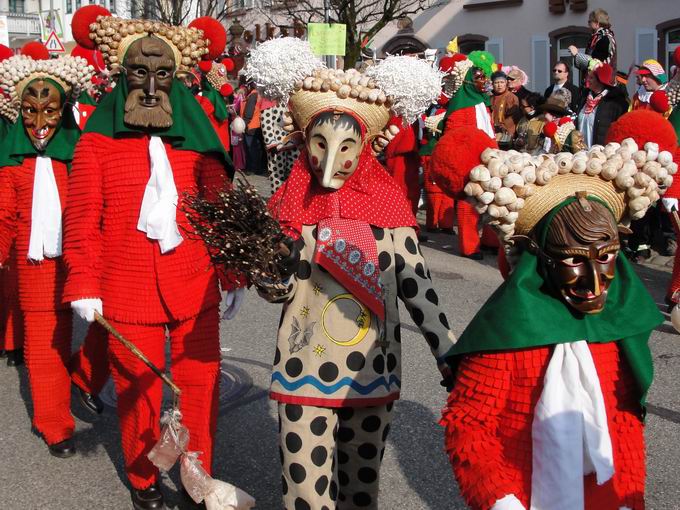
(11, 323)
(402, 161)
(47, 320)
(144, 290)
(501, 414)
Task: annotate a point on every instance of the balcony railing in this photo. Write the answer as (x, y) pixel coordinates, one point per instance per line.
(28, 24)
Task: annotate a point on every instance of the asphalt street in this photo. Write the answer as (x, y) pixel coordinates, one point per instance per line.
(415, 473)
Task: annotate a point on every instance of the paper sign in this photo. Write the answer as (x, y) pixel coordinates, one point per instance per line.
(327, 38)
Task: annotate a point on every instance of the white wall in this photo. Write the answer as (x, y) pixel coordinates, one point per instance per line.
(516, 26)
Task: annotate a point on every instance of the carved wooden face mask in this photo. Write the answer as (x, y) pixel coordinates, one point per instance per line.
(149, 67)
(581, 247)
(334, 145)
(41, 109)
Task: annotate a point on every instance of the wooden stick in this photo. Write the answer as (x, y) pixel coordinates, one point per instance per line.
(133, 349)
(676, 219)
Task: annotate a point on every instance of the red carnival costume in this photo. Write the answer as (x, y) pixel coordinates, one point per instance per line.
(550, 375)
(402, 161)
(33, 179)
(136, 266)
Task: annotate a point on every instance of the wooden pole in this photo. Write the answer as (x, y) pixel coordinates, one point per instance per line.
(108, 327)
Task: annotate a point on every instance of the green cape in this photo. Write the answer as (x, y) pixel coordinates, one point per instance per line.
(15, 144)
(212, 95)
(674, 119)
(524, 312)
(190, 131)
(467, 95)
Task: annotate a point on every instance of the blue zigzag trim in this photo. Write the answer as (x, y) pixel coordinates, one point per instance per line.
(329, 389)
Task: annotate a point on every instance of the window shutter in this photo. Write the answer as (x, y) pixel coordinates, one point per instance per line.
(540, 63)
(645, 44)
(495, 47)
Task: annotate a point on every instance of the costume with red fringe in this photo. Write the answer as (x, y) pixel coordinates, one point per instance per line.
(147, 286)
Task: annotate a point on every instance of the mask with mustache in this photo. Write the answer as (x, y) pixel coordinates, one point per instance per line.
(41, 110)
(149, 69)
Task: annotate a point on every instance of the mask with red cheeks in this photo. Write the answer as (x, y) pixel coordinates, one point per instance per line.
(582, 244)
(334, 144)
(480, 81)
(41, 110)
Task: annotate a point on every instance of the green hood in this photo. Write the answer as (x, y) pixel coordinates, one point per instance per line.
(524, 312)
(191, 130)
(212, 95)
(15, 145)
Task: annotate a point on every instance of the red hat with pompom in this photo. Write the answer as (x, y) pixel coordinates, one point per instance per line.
(644, 126)
(80, 24)
(215, 32)
(457, 152)
(35, 50)
(5, 52)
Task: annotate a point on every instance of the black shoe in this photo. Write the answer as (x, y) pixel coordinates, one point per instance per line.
(3, 353)
(91, 403)
(150, 498)
(15, 358)
(191, 502)
(474, 256)
(64, 449)
(422, 238)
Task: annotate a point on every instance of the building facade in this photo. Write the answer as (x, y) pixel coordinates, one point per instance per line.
(534, 34)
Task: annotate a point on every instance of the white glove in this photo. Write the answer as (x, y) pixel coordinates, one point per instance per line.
(509, 502)
(670, 204)
(86, 307)
(234, 299)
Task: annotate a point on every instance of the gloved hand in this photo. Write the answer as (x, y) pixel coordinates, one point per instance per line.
(509, 502)
(86, 307)
(234, 299)
(288, 258)
(670, 204)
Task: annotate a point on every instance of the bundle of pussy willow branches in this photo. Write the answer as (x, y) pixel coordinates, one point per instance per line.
(240, 233)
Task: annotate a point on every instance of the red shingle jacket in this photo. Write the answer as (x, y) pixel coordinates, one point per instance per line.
(40, 283)
(107, 257)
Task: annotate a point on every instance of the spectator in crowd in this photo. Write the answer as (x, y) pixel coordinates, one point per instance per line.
(504, 110)
(561, 80)
(251, 112)
(560, 131)
(600, 105)
(602, 45)
(517, 79)
(651, 94)
(529, 133)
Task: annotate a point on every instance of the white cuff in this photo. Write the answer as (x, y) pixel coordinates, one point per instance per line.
(86, 307)
(509, 502)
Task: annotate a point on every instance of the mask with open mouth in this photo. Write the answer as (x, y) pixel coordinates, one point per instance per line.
(582, 245)
(41, 109)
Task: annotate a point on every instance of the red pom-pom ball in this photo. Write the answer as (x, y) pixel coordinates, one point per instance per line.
(205, 65)
(226, 90)
(82, 19)
(5, 52)
(36, 50)
(228, 64)
(93, 57)
(659, 101)
(564, 120)
(676, 56)
(215, 32)
(550, 129)
(457, 152)
(644, 126)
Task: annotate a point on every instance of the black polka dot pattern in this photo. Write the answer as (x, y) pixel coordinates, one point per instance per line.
(328, 371)
(409, 288)
(384, 260)
(304, 270)
(379, 364)
(378, 233)
(356, 361)
(298, 473)
(410, 246)
(318, 425)
(293, 442)
(294, 367)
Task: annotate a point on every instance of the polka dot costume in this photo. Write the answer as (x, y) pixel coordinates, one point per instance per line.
(279, 164)
(331, 458)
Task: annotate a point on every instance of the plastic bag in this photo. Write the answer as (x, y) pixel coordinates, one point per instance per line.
(194, 479)
(224, 496)
(172, 443)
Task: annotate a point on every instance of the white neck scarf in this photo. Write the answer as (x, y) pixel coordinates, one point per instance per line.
(46, 230)
(484, 120)
(158, 215)
(570, 435)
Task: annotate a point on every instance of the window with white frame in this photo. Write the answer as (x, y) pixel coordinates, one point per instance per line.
(581, 42)
(671, 43)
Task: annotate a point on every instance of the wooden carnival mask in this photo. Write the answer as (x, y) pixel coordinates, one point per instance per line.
(334, 145)
(480, 80)
(41, 109)
(580, 254)
(149, 68)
